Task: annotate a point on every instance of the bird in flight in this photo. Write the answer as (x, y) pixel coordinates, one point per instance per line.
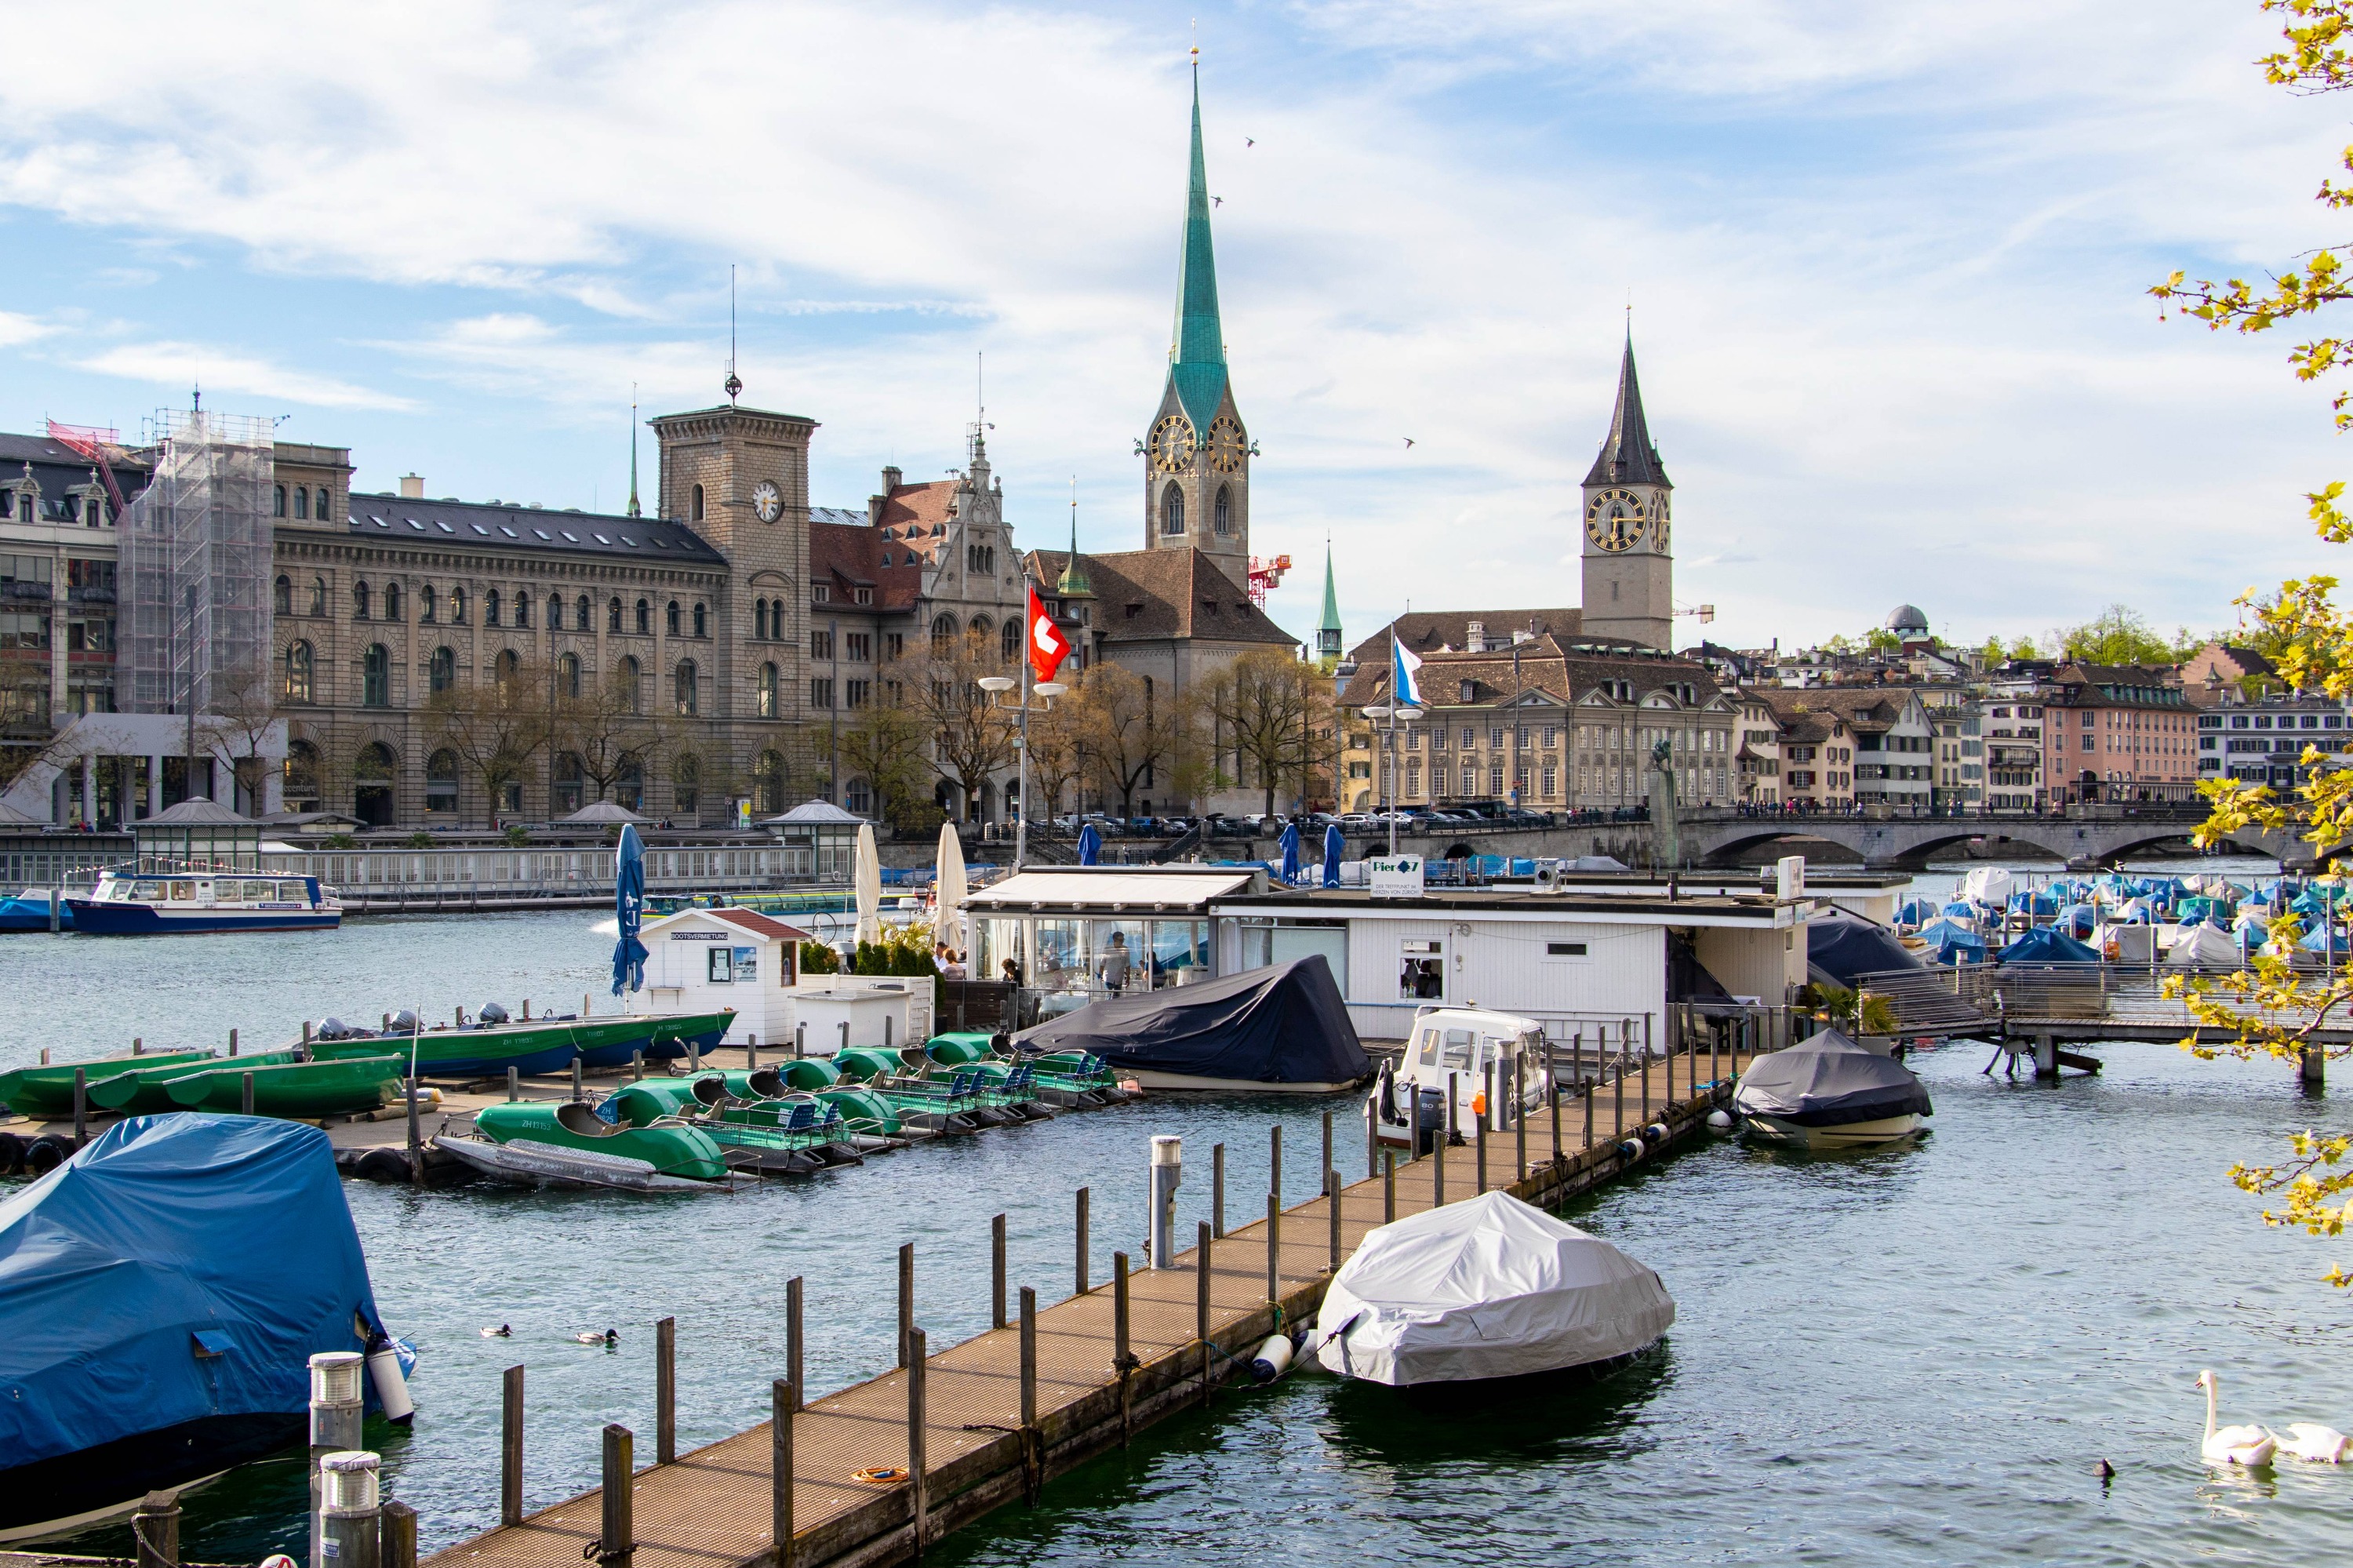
(1408, 441)
(1216, 201)
(1249, 141)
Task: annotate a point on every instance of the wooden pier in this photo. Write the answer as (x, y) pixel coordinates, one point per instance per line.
(987, 1422)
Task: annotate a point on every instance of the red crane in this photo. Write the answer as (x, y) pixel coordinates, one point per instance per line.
(98, 445)
(1265, 574)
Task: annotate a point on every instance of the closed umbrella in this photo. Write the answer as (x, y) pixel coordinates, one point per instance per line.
(628, 913)
(1090, 846)
(1335, 849)
(866, 882)
(948, 889)
(1289, 848)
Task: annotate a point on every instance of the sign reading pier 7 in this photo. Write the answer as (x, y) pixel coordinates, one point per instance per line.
(1394, 876)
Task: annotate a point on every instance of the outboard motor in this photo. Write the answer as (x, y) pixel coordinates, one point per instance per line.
(333, 1029)
(403, 1022)
(1429, 1119)
(493, 1013)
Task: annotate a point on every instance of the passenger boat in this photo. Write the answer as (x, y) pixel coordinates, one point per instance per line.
(177, 903)
(488, 1046)
(49, 1090)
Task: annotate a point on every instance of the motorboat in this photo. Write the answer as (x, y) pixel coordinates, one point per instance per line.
(128, 903)
(1486, 1289)
(161, 1295)
(1829, 1092)
(1449, 1054)
(489, 1044)
(1282, 1028)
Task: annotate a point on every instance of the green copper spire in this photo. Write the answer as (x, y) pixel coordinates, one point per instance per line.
(633, 452)
(1074, 583)
(1327, 631)
(1197, 355)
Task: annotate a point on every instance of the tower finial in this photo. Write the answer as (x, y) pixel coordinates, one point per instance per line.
(1073, 581)
(733, 384)
(633, 449)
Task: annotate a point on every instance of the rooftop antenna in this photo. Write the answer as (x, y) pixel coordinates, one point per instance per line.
(633, 449)
(733, 384)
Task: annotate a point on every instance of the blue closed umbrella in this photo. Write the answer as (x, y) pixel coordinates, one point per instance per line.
(629, 909)
(1289, 847)
(1335, 849)
(1090, 846)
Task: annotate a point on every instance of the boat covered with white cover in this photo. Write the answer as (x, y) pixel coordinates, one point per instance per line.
(1829, 1091)
(1487, 1289)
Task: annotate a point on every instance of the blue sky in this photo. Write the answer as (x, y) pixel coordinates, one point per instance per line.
(1887, 263)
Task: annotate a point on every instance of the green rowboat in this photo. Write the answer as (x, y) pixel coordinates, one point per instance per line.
(300, 1089)
(147, 1091)
(49, 1091)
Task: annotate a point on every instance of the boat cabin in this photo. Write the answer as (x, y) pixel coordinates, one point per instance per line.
(208, 890)
(1452, 1051)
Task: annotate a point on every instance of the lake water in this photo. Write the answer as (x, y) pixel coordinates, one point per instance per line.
(1913, 1356)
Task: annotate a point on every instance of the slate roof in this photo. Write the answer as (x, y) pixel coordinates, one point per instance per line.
(448, 525)
(58, 467)
(1867, 710)
(1627, 456)
(1148, 595)
(1567, 674)
(1425, 631)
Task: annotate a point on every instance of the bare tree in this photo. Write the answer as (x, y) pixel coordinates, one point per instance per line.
(245, 711)
(1131, 733)
(494, 726)
(882, 742)
(1058, 756)
(607, 729)
(971, 737)
(1269, 707)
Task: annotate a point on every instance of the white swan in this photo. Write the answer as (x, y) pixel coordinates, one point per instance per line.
(2321, 1445)
(2248, 1445)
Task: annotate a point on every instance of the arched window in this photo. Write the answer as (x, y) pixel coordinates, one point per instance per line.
(688, 705)
(670, 618)
(685, 782)
(567, 674)
(456, 607)
(321, 511)
(555, 613)
(509, 666)
(523, 608)
(768, 782)
(1172, 511)
(440, 671)
(613, 616)
(760, 620)
(283, 596)
(944, 631)
(428, 605)
(299, 663)
(372, 774)
(580, 614)
(376, 677)
(392, 601)
(278, 507)
(300, 787)
(701, 619)
(698, 503)
(631, 681)
(566, 783)
(768, 690)
(630, 787)
(317, 595)
(1225, 515)
(360, 600)
(441, 783)
(303, 502)
(1009, 642)
(645, 619)
(490, 607)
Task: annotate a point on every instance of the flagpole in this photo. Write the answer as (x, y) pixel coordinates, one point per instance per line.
(1021, 818)
(1389, 758)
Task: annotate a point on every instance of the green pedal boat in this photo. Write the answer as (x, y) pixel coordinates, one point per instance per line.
(49, 1091)
(670, 1148)
(147, 1091)
(303, 1090)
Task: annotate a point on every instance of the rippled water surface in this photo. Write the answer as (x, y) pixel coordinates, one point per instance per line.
(1912, 1356)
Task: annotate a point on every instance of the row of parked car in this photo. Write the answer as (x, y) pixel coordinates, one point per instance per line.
(1469, 817)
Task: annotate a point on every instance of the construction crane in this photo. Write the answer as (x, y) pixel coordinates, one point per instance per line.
(1266, 574)
(99, 446)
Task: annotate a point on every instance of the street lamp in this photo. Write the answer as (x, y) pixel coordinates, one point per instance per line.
(996, 686)
(1401, 714)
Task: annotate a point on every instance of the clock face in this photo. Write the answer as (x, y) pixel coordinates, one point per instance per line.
(1613, 519)
(1171, 444)
(1659, 526)
(768, 501)
(1227, 447)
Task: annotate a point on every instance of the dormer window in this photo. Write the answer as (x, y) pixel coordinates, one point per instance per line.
(821, 593)
(864, 595)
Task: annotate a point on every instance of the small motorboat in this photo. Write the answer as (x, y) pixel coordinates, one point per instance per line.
(1485, 1290)
(1829, 1092)
(305, 1089)
(492, 1042)
(29, 911)
(1455, 1048)
(146, 1091)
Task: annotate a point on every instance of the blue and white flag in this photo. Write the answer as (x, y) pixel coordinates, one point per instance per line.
(1405, 680)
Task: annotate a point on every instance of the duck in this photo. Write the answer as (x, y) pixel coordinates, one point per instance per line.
(608, 1339)
(501, 1332)
(2320, 1445)
(2250, 1447)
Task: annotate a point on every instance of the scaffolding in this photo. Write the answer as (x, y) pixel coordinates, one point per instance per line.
(192, 578)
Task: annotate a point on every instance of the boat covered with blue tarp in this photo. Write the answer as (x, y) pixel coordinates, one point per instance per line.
(161, 1295)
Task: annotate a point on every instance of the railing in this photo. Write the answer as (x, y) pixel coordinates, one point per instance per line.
(1986, 999)
(479, 878)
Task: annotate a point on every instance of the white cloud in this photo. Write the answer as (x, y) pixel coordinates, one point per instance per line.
(15, 328)
(182, 366)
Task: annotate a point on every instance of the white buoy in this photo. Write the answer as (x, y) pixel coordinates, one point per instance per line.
(1720, 1120)
(1272, 1359)
(391, 1388)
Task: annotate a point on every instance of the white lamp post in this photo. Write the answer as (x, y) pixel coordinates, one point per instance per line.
(996, 686)
(1395, 716)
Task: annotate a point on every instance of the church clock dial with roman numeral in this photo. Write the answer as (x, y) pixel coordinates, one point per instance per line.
(1614, 520)
(1171, 444)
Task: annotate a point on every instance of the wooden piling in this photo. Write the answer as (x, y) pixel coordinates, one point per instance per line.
(793, 1341)
(510, 1448)
(1327, 1143)
(919, 1500)
(155, 1530)
(617, 1546)
(997, 1272)
(396, 1524)
(232, 1041)
(666, 1391)
(514, 1083)
(906, 1298)
(784, 1401)
(1217, 1189)
(1122, 1359)
(1275, 1155)
(81, 1107)
(1033, 1447)
(1201, 1275)
(1332, 1211)
(579, 1069)
(416, 1139)
(1589, 1113)
(1388, 1189)
(246, 1092)
(1082, 1243)
(1273, 1247)
(1519, 1124)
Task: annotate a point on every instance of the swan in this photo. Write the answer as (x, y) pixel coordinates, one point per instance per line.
(2321, 1445)
(613, 1337)
(2248, 1445)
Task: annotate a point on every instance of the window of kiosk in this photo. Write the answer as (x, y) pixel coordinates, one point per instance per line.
(1421, 969)
(1179, 946)
(1133, 956)
(722, 965)
(747, 964)
(1060, 961)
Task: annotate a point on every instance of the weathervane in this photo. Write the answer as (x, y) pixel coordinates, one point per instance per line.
(734, 383)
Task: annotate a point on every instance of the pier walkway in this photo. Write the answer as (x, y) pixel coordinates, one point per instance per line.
(963, 1406)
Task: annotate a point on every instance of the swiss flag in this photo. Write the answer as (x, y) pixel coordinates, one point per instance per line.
(1047, 647)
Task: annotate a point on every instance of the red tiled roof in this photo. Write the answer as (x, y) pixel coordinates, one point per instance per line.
(850, 555)
(760, 925)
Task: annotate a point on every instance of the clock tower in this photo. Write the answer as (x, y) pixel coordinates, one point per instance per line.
(1196, 453)
(1629, 567)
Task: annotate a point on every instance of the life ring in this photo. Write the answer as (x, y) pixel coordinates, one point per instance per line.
(881, 1474)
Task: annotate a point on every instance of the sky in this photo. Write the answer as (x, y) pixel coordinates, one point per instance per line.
(1887, 268)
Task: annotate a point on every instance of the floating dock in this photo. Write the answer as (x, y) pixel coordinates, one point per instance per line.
(987, 1422)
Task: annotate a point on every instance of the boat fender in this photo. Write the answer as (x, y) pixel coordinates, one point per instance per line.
(391, 1388)
(1720, 1120)
(12, 1154)
(1271, 1360)
(1631, 1148)
(1656, 1133)
(382, 1165)
(45, 1154)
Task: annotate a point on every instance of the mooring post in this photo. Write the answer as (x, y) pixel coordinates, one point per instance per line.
(666, 1391)
(232, 1041)
(1552, 1093)
(751, 1052)
(350, 1510)
(1332, 1211)
(337, 1403)
(1273, 1247)
(1588, 1112)
(1274, 1155)
(1483, 1113)
(617, 1546)
(416, 1139)
(1033, 1459)
(1327, 1142)
(2046, 1056)
(784, 1399)
(1519, 1124)
(800, 1041)
(510, 1448)
(1646, 1069)
(1201, 1281)
(155, 1530)
(1217, 1188)
(514, 1083)
(997, 1272)
(793, 1341)
(81, 1107)
(1121, 1361)
(578, 1067)
(396, 1535)
(1619, 1090)
(246, 1092)
(136, 1044)
(919, 1493)
(906, 1298)
(1083, 1241)
(637, 1066)
(2315, 1067)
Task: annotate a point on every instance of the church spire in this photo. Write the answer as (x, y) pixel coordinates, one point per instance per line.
(633, 450)
(1197, 353)
(1073, 584)
(1327, 629)
(1628, 457)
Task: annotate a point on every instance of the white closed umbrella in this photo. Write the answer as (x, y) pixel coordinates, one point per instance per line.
(866, 883)
(948, 890)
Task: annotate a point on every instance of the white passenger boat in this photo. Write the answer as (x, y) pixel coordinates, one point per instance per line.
(1450, 1051)
(131, 902)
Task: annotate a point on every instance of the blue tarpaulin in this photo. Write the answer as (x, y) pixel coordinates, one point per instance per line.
(1947, 942)
(1916, 912)
(2077, 920)
(116, 1269)
(2047, 946)
(1090, 846)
